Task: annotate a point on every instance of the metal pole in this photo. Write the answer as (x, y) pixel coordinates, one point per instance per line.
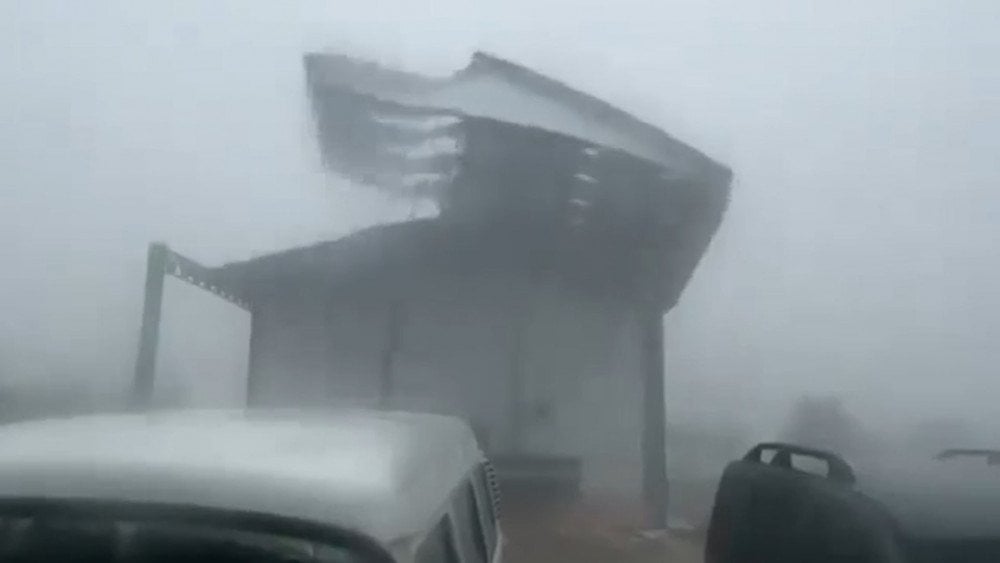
(149, 335)
(387, 370)
(253, 398)
(655, 487)
(516, 390)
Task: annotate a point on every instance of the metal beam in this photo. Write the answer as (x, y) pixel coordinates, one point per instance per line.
(161, 262)
(186, 269)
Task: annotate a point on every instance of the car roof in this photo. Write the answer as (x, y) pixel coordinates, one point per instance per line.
(385, 474)
(937, 499)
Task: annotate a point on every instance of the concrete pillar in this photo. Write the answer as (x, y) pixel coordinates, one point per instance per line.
(655, 487)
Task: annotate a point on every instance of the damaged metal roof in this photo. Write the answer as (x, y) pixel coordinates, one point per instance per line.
(521, 167)
(407, 132)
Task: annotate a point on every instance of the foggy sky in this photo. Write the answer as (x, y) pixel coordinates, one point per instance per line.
(858, 256)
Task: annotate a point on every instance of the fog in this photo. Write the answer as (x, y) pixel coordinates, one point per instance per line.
(857, 257)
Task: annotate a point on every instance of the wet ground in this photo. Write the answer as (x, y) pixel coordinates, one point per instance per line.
(671, 551)
(539, 535)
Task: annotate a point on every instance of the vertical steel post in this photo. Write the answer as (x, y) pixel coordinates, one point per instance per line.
(253, 398)
(516, 382)
(149, 335)
(655, 487)
(387, 368)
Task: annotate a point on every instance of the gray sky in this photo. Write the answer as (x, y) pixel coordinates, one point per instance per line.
(857, 257)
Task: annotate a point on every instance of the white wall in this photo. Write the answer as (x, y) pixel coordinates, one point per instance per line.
(299, 338)
(454, 353)
(584, 362)
(201, 359)
(581, 382)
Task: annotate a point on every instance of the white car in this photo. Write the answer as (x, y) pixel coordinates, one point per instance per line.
(347, 486)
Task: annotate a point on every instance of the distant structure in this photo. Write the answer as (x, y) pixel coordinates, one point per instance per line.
(528, 300)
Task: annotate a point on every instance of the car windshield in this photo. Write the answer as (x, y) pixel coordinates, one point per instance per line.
(77, 539)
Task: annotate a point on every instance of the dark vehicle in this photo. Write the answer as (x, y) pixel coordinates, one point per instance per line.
(788, 503)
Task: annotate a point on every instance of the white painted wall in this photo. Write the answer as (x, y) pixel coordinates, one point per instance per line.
(297, 341)
(201, 359)
(581, 374)
(584, 363)
(454, 353)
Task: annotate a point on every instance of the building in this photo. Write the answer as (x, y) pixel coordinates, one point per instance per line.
(529, 300)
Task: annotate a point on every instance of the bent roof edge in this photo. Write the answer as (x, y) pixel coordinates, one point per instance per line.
(374, 79)
(594, 108)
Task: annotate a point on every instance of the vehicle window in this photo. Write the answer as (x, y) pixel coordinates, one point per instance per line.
(31, 540)
(809, 464)
(468, 526)
(438, 546)
(485, 502)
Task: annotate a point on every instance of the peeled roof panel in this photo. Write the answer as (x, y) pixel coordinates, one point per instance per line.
(505, 154)
(497, 89)
(496, 98)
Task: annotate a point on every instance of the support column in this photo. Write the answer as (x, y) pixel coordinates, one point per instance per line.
(387, 381)
(516, 388)
(253, 398)
(655, 487)
(149, 335)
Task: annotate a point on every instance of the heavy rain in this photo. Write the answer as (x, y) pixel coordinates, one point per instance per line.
(845, 301)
